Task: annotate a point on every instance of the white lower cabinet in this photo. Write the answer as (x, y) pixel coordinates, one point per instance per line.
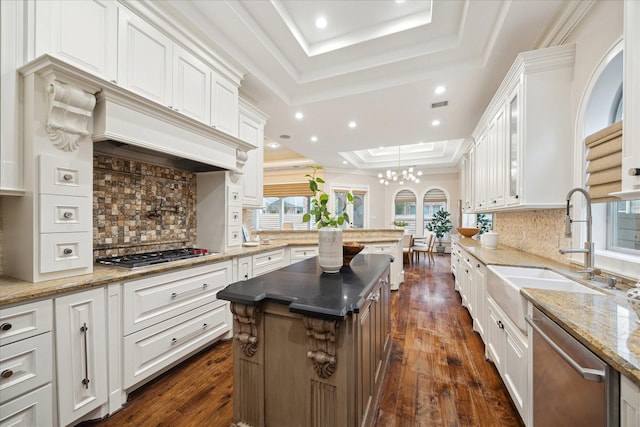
(168, 316)
(507, 347)
(32, 409)
(26, 365)
(155, 348)
(480, 293)
(268, 261)
(81, 353)
(300, 253)
(629, 403)
(244, 269)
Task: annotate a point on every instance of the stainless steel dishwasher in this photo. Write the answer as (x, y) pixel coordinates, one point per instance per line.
(571, 385)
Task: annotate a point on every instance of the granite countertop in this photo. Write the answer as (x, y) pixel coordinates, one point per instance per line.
(605, 323)
(306, 290)
(14, 291)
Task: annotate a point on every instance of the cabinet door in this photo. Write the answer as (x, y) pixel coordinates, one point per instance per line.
(495, 336)
(481, 172)
(244, 268)
(515, 367)
(224, 105)
(83, 33)
(495, 160)
(513, 147)
(81, 353)
(629, 403)
(252, 131)
(32, 409)
(191, 86)
(365, 381)
(145, 59)
(480, 283)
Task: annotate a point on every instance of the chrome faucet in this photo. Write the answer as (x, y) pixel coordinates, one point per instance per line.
(588, 245)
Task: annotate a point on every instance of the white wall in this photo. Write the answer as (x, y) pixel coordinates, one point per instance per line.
(381, 197)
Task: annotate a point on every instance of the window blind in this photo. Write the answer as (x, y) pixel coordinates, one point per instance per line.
(435, 195)
(604, 157)
(405, 196)
(287, 190)
(289, 183)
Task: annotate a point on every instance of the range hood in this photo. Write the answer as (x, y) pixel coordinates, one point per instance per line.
(130, 126)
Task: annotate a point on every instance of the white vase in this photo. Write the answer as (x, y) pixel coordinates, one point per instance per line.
(330, 249)
(489, 240)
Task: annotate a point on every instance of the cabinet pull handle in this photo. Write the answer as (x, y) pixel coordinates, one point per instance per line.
(634, 172)
(6, 326)
(177, 294)
(83, 329)
(7, 373)
(68, 215)
(500, 324)
(174, 341)
(67, 251)
(246, 276)
(114, 82)
(67, 177)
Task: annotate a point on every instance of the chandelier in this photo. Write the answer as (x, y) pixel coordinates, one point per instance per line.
(400, 176)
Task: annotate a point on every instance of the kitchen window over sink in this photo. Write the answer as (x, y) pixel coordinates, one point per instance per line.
(616, 224)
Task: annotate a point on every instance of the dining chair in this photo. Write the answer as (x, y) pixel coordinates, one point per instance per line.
(424, 245)
(407, 248)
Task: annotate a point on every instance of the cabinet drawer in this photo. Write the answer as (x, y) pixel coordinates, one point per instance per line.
(234, 195)
(268, 261)
(303, 252)
(155, 299)
(234, 236)
(25, 365)
(65, 213)
(24, 321)
(65, 251)
(152, 349)
(65, 176)
(379, 249)
(235, 216)
(32, 409)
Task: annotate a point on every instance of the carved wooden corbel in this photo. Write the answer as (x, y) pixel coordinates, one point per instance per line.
(248, 317)
(322, 345)
(241, 158)
(70, 115)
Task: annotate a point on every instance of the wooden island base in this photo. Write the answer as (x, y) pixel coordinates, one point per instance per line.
(291, 369)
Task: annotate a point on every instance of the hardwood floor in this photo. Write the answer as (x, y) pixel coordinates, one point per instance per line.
(437, 375)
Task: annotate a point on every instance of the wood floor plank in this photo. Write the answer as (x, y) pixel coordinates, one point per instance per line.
(437, 375)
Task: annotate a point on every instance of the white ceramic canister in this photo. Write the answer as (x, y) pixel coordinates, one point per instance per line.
(489, 240)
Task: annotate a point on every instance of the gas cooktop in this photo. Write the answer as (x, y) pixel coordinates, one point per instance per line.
(150, 258)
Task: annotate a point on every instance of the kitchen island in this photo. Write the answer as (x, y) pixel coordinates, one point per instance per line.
(310, 349)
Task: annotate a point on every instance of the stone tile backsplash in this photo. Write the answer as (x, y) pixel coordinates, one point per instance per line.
(140, 207)
(540, 232)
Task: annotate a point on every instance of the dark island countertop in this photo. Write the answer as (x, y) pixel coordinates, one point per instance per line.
(306, 290)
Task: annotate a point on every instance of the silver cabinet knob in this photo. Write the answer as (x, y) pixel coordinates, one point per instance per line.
(67, 177)
(67, 251)
(68, 215)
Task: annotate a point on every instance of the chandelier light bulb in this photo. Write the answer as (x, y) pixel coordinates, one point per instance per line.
(381, 180)
(379, 175)
(411, 169)
(395, 177)
(419, 173)
(386, 183)
(401, 182)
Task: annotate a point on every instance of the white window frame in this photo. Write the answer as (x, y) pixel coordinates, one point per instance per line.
(621, 263)
(351, 189)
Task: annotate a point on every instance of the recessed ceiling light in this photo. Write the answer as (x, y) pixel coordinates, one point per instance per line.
(344, 162)
(285, 136)
(274, 145)
(352, 124)
(440, 89)
(400, 1)
(314, 139)
(299, 115)
(321, 22)
(435, 123)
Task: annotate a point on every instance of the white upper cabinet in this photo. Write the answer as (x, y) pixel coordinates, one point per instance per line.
(191, 86)
(81, 32)
(145, 59)
(224, 105)
(251, 129)
(525, 130)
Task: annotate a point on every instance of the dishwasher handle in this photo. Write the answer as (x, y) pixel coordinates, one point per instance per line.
(586, 373)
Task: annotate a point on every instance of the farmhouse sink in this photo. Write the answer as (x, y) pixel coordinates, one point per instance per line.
(504, 284)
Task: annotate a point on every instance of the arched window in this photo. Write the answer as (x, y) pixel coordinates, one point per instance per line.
(616, 224)
(405, 210)
(433, 201)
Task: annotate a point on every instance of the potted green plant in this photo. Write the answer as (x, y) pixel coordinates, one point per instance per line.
(400, 224)
(440, 224)
(483, 223)
(328, 224)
